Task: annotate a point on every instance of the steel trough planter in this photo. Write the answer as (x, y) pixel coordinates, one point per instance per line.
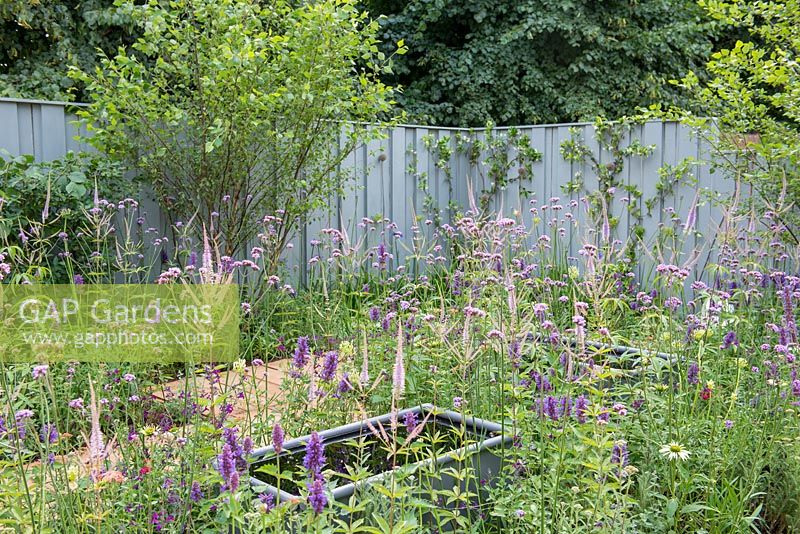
(485, 453)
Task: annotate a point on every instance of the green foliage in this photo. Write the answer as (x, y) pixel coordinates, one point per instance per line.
(39, 39)
(240, 111)
(754, 96)
(540, 60)
(500, 157)
(42, 200)
(616, 146)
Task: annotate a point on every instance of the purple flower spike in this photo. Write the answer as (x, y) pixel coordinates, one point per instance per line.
(329, 366)
(581, 405)
(374, 314)
(196, 493)
(693, 374)
(227, 467)
(301, 353)
(410, 420)
(730, 340)
(619, 453)
(268, 500)
(277, 438)
(316, 495)
(315, 455)
(48, 433)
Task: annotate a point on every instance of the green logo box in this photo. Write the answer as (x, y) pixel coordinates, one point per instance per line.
(120, 322)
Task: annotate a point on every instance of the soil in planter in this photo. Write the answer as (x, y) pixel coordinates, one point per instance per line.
(436, 438)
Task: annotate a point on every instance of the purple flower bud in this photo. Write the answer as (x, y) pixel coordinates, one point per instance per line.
(277, 438)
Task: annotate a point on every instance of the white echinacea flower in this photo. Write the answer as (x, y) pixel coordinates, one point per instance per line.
(674, 451)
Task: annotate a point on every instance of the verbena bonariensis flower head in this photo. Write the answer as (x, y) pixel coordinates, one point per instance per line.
(315, 456)
(39, 371)
(277, 438)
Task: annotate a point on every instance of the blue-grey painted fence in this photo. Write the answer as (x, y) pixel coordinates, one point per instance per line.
(387, 174)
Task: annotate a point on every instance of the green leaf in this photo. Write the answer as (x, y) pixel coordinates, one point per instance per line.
(672, 507)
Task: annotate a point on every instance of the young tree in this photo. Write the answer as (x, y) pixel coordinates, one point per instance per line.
(753, 94)
(234, 109)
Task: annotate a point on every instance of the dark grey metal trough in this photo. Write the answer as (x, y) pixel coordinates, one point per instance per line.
(485, 454)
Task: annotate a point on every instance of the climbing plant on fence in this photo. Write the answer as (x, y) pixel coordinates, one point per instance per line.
(497, 159)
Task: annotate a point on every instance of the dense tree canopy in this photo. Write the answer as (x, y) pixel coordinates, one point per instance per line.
(512, 61)
(534, 61)
(40, 39)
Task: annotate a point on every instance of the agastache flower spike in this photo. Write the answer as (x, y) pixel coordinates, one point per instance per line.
(692, 374)
(315, 456)
(410, 421)
(619, 453)
(227, 467)
(277, 438)
(329, 365)
(316, 495)
(301, 353)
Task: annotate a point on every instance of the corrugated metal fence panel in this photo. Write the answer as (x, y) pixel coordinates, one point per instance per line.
(386, 176)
